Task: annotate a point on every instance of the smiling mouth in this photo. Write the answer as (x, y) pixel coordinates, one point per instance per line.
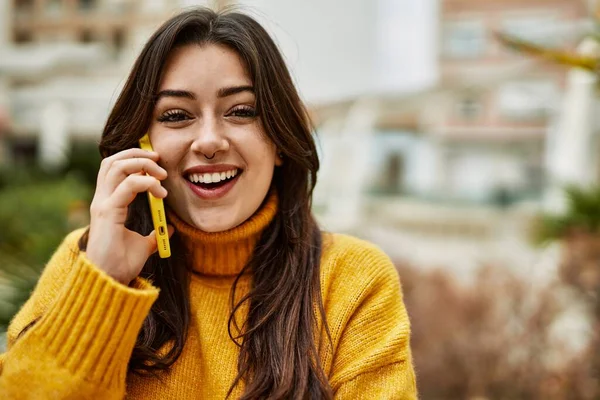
(214, 180)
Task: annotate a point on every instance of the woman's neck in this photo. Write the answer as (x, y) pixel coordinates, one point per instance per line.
(224, 253)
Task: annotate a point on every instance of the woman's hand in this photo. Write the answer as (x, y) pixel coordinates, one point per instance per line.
(115, 249)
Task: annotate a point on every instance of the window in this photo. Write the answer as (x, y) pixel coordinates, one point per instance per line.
(118, 41)
(23, 37)
(391, 163)
(469, 107)
(87, 5)
(393, 173)
(464, 39)
(537, 29)
(53, 8)
(523, 100)
(24, 5)
(86, 36)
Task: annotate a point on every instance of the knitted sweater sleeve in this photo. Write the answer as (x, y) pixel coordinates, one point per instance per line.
(372, 358)
(85, 325)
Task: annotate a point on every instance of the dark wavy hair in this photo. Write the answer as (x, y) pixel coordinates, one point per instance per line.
(278, 353)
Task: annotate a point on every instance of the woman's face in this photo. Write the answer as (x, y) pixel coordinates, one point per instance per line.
(210, 141)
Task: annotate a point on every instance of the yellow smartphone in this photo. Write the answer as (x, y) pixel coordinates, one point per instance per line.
(157, 208)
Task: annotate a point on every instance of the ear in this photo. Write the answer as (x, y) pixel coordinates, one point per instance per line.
(278, 158)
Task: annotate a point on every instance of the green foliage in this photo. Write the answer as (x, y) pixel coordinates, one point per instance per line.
(34, 215)
(581, 216)
(11, 177)
(84, 162)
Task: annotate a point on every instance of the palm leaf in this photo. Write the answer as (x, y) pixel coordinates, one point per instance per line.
(559, 56)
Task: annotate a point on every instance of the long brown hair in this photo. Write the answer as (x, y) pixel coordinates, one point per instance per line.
(278, 354)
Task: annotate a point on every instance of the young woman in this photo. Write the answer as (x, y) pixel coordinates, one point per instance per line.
(255, 301)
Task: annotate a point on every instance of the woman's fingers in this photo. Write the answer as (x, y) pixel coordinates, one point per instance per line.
(131, 186)
(107, 162)
(121, 169)
(111, 246)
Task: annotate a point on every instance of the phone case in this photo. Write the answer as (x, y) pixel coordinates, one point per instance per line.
(157, 208)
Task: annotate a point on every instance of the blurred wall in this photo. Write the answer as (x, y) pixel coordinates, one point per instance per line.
(340, 49)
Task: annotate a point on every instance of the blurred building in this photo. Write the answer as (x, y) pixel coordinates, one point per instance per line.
(83, 50)
(62, 63)
(446, 173)
(452, 175)
(487, 124)
(496, 131)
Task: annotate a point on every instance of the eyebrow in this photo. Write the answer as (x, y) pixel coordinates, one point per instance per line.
(229, 91)
(223, 92)
(174, 93)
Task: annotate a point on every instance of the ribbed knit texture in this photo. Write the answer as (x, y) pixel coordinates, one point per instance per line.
(225, 253)
(87, 324)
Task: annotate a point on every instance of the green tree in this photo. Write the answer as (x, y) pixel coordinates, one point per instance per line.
(36, 212)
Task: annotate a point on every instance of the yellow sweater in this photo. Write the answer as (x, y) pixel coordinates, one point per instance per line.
(89, 322)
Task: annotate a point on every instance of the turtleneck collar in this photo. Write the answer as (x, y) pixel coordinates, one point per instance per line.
(224, 253)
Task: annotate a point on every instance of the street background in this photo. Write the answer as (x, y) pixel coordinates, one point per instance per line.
(459, 135)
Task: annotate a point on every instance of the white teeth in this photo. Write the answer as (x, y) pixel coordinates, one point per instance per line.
(213, 177)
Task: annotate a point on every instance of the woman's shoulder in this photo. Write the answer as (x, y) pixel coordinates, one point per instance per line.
(348, 257)
(342, 243)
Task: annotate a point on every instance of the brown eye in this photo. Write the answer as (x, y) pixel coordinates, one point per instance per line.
(243, 112)
(173, 116)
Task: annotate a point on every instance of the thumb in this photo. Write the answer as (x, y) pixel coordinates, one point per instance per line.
(151, 239)
(151, 242)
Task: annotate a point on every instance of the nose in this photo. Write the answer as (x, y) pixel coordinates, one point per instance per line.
(210, 138)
